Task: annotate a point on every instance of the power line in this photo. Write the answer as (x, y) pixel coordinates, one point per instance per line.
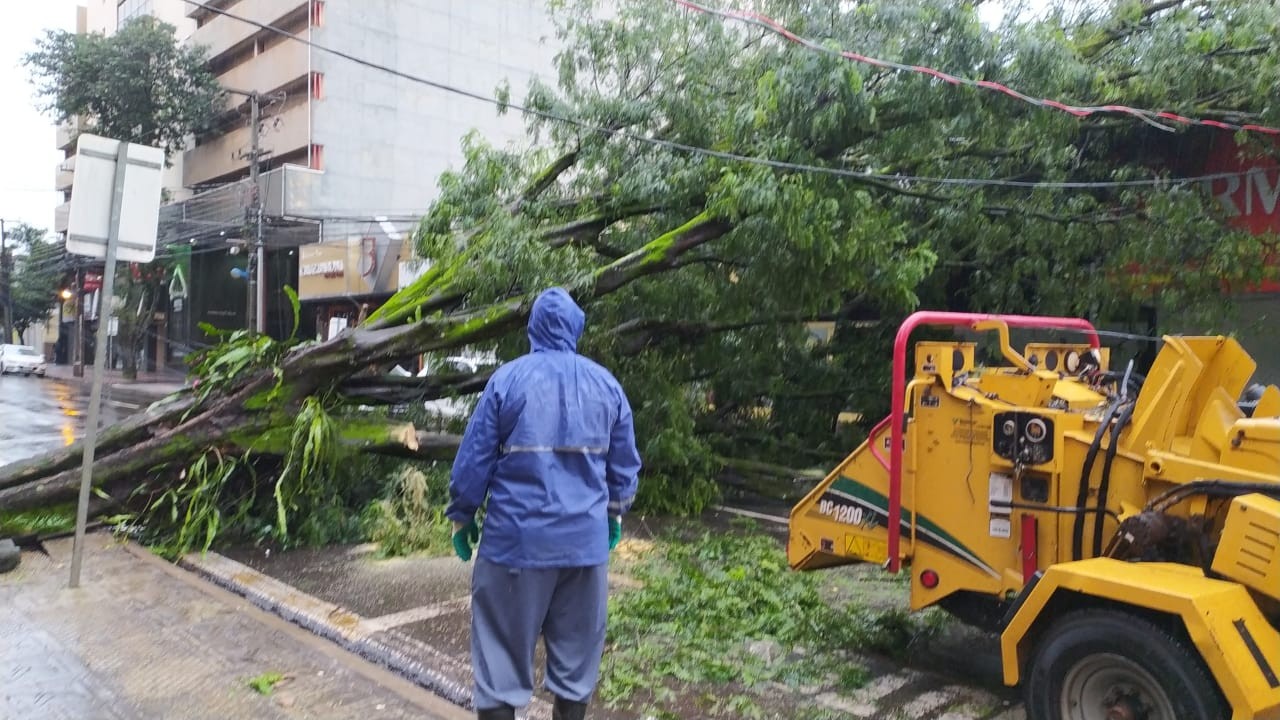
(1151, 117)
(718, 154)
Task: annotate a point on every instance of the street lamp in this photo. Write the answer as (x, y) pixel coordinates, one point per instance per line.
(66, 294)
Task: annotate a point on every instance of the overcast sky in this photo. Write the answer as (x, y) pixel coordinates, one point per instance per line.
(28, 159)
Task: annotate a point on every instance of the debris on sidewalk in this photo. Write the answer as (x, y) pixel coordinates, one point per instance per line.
(10, 556)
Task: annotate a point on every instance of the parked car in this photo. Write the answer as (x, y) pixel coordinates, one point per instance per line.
(21, 359)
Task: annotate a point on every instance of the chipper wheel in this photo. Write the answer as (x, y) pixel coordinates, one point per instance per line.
(1111, 665)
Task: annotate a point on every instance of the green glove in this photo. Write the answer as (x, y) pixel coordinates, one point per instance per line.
(615, 532)
(464, 539)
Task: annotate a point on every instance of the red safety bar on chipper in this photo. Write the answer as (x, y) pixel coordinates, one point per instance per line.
(899, 394)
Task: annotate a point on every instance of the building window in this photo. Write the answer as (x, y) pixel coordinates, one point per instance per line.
(317, 86)
(317, 157)
(317, 13)
(127, 10)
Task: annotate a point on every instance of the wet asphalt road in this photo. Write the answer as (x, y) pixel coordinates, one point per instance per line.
(39, 414)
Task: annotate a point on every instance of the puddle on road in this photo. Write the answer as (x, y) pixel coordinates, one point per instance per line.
(43, 415)
(63, 396)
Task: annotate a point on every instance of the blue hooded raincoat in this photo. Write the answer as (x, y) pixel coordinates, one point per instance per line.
(552, 445)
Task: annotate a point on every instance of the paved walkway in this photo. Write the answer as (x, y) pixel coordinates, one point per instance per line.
(149, 384)
(142, 639)
(412, 614)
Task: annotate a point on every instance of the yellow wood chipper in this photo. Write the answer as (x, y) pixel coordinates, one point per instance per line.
(1121, 533)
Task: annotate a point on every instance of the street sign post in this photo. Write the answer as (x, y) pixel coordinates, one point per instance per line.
(115, 211)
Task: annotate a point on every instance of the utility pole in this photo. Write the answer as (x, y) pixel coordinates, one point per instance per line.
(256, 294)
(255, 142)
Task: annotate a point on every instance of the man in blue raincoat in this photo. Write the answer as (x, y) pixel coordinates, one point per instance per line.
(552, 448)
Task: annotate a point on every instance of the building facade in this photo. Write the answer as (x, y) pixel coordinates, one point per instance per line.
(1251, 202)
(348, 155)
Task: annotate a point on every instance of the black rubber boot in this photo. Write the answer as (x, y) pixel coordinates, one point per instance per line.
(502, 712)
(568, 710)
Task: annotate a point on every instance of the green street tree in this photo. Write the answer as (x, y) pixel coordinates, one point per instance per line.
(139, 85)
(39, 270)
(699, 272)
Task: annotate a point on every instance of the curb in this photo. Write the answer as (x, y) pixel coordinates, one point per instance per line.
(408, 657)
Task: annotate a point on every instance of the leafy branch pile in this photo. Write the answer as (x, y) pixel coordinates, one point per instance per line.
(700, 274)
(721, 613)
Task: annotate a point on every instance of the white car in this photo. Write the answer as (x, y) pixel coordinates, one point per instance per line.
(21, 359)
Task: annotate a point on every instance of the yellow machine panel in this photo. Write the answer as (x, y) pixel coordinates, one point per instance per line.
(841, 521)
(1028, 494)
(1066, 358)
(1249, 551)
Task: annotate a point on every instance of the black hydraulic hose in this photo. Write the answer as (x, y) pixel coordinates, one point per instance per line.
(1104, 485)
(1082, 496)
(1135, 380)
(1214, 487)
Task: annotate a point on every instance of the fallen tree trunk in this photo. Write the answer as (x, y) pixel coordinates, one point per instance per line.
(253, 413)
(401, 390)
(131, 431)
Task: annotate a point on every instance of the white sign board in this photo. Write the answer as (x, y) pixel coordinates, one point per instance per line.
(89, 222)
(411, 271)
(336, 325)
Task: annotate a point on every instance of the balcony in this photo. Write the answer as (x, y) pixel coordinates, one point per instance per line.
(195, 12)
(67, 133)
(60, 216)
(221, 33)
(65, 175)
(281, 64)
(223, 156)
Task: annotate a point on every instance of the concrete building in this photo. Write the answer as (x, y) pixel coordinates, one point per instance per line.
(350, 155)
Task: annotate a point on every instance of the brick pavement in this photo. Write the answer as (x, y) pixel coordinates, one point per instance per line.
(142, 639)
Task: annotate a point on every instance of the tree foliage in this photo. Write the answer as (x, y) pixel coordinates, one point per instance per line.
(138, 84)
(38, 274)
(805, 245)
(139, 291)
(699, 273)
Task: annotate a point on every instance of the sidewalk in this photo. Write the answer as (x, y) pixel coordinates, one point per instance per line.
(144, 639)
(153, 385)
(412, 615)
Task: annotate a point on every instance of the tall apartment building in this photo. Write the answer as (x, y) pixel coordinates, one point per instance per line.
(379, 141)
(349, 155)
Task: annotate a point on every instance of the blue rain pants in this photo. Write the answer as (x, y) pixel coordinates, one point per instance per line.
(511, 606)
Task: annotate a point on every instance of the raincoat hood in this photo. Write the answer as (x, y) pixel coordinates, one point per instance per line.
(556, 322)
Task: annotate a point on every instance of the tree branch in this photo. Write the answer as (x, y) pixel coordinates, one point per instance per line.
(589, 229)
(640, 333)
(1123, 31)
(393, 390)
(545, 179)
